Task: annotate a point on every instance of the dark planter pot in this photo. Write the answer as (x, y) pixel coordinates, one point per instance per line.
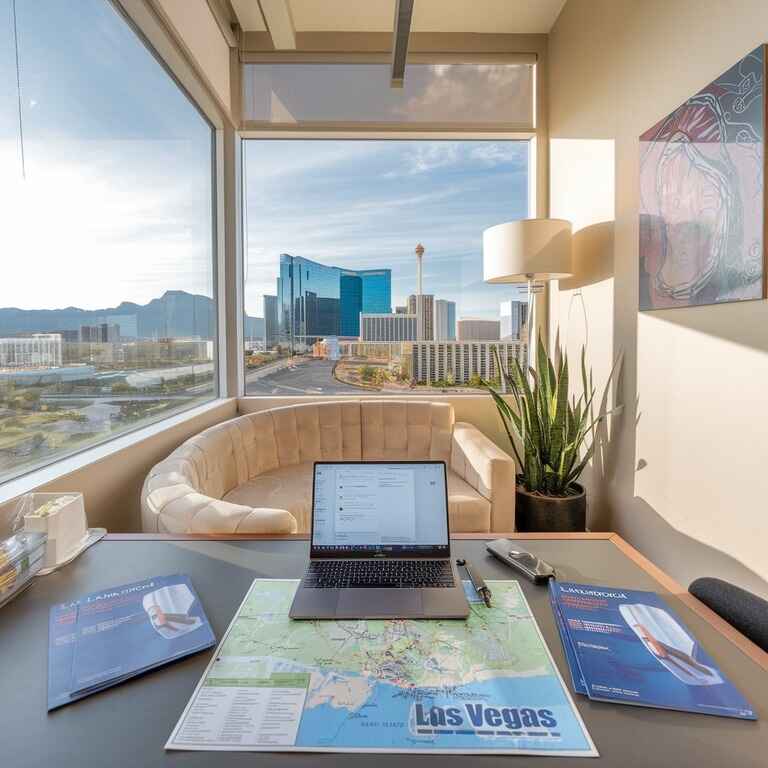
(556, 514)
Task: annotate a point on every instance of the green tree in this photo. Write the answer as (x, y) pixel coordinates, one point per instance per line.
(366, 372)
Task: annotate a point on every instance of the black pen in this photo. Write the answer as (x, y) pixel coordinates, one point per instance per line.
(477, 582)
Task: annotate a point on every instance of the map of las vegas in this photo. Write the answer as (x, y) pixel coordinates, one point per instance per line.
(487, 684)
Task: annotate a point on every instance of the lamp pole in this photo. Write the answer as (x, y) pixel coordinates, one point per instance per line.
(531, 355)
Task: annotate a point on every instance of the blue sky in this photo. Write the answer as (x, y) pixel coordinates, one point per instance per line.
(116, 204)
(366, 204)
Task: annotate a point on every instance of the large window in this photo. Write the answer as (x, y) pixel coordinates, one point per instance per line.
(364, 264)
(107, 303)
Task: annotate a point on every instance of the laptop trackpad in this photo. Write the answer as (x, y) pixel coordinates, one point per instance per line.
(379, 603)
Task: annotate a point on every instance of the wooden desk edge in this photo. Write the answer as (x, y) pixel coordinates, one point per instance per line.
(305, 536)
(745, 645)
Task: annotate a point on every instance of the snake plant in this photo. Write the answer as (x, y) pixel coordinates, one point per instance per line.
(553, 437)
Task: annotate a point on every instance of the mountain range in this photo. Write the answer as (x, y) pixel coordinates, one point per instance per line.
(176, 314)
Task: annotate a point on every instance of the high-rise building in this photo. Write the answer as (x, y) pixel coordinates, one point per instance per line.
(41, 350)
(456, 362)
(387, 327)
(309, 299)
(315, 300)
(363, 290)
(351, 303)
(401, 310)
(271, 329)
(425, 314)
(474, 329)
(103, 333)
(514, 316)
(445, 320)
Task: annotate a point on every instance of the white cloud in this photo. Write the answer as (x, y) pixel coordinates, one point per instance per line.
(97, 223)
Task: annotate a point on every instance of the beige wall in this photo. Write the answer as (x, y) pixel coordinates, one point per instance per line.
(200, 35)
(686, 478)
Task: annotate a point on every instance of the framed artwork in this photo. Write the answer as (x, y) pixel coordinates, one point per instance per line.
(702, 195)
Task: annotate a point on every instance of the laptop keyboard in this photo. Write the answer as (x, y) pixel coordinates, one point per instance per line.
(410, 574)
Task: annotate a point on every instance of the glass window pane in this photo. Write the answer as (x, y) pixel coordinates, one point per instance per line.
(462, 94)
(331, 294)
(107, 309)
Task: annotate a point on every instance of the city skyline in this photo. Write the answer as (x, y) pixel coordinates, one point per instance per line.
(366, 204)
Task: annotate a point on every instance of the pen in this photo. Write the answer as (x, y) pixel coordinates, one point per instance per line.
(477, 582)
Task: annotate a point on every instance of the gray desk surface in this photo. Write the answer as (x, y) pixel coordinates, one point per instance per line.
(128, 725)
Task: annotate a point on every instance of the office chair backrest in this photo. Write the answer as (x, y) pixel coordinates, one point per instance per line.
(741, 609)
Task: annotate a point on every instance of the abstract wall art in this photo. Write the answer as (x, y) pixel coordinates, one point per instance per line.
(702, 197)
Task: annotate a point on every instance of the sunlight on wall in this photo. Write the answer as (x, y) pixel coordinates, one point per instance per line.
(582, 191)
(686, 439)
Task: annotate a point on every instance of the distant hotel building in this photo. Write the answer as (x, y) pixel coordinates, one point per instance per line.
(315, 301)
(365, 290)
(473, 329)
(457, 362)
(445, 320)
(103, 333)
(271, 329)
(41, 350)
(427, 315)
(387, 327)
(514, 317)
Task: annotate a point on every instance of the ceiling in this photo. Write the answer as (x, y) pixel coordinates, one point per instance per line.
(505, 16)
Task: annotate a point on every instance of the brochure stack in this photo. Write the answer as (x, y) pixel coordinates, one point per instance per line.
(629, 647)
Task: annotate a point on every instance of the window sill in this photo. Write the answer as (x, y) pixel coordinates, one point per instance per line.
(69, 464)
(309, 396)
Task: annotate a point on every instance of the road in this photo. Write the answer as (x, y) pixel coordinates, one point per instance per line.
(313, 377)
(106, 397)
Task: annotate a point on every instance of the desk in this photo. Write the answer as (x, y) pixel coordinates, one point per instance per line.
(129, 725)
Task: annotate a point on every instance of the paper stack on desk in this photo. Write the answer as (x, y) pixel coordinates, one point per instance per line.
(106, 637)
(629, 647)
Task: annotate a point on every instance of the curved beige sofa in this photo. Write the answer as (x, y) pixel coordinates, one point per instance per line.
(253, 474)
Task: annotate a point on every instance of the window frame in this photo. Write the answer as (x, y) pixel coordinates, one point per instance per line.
(530, 50)
(384, 130)
(534, 205)
(159, 42)
(153, 34)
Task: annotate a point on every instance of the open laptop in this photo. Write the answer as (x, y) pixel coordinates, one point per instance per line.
(380, 546)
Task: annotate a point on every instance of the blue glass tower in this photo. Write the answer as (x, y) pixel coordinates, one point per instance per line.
(351, 303)
(377, 290)
(315, 301)
(309, 301)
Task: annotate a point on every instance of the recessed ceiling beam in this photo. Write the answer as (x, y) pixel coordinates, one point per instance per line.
(279, 21)
(225, 17)
(400, 35)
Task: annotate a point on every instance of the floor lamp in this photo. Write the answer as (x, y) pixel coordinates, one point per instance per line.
(528, 251)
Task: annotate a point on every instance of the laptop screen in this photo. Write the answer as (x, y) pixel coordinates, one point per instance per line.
(380, 508)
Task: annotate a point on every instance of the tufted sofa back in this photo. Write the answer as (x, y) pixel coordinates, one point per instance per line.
(229, 454)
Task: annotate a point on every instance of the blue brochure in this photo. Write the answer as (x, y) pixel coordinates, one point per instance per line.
(579, 686)
(109, 636)
(629, 647)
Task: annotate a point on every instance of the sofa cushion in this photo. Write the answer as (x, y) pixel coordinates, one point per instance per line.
(316, 431)
(288, 488)
(406, 429)
(468, 511)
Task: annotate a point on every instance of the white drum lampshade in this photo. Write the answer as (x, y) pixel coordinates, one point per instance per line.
(527, 250)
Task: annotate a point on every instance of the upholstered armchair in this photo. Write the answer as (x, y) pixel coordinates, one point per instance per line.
(253, 474)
